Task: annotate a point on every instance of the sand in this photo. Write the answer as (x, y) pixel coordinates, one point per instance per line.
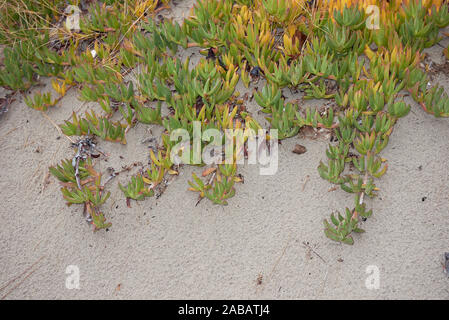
(267, 243)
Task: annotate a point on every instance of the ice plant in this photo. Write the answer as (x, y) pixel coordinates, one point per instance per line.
(361, 55)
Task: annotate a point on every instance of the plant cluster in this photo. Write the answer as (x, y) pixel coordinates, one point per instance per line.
(323, 49)
(81, 184)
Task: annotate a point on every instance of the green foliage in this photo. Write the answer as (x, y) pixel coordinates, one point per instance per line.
(40, 102)
(65, 172)
(221, 188)
(82, 185)
(84, 195)
(436, 102)
(342, 227)
(16, 73)
(324, 52)
(149, 115)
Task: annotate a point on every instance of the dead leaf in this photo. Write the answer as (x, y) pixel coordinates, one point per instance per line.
(299, 149)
